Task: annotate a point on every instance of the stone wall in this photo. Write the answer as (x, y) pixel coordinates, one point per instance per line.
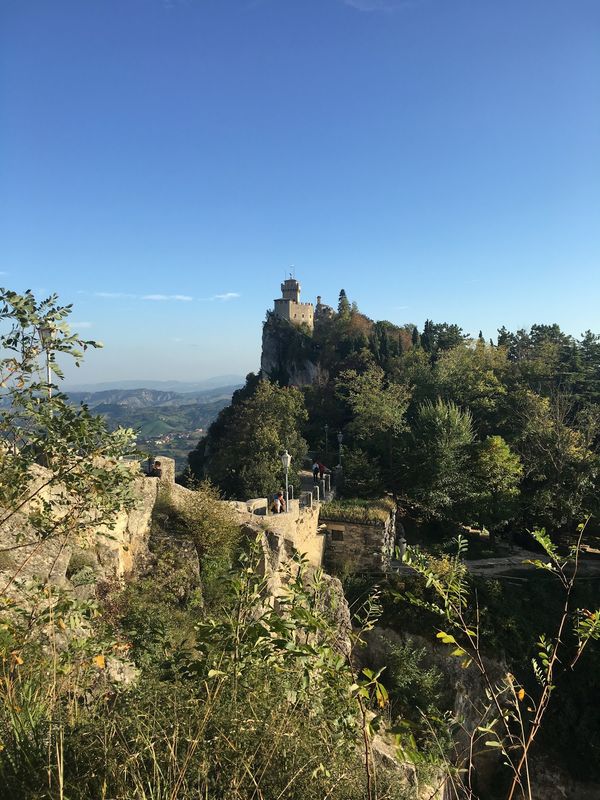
(123, 550)
(294, 532)
(296, 313)
(356, 546)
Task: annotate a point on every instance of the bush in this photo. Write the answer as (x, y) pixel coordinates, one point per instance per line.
(368, 512)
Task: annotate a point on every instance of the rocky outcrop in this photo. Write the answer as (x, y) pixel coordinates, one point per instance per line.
(288, 355)
(104, 552)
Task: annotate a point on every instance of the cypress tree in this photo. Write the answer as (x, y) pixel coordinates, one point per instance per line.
(343, 304)
(427, 336)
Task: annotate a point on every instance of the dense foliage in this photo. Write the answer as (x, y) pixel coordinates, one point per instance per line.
(62, 470)
(495, 435)
(186, 682)
(242, 451)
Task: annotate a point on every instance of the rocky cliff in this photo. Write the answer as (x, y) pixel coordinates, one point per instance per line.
(289, 355)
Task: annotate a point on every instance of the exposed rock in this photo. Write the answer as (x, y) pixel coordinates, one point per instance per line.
(107, 552)
(120, 671)
(288, 355)
(433, 787)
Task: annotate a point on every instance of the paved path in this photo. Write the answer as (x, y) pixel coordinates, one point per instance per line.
(589, 567)
(306, 477)
(307, 480)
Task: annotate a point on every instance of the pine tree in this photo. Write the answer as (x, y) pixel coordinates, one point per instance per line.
(343, 304)
(415, 337)
(427, 336)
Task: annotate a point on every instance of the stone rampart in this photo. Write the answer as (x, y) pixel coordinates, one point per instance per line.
(293, 532)
(123, 549)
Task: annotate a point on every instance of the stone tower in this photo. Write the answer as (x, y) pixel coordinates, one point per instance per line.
(289, 307)
(290, 290)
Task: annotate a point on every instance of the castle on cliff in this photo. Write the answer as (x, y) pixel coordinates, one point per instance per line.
(289, 307)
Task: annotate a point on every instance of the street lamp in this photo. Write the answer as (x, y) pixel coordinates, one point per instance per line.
(340, 439)
(46, 333)
(286, 460)
(326, 442)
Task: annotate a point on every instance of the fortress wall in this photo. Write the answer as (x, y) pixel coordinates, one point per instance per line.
(120, 551)
(296, 313)
(293, 532)
(359, 547)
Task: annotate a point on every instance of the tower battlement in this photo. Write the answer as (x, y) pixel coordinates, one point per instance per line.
(289, 307)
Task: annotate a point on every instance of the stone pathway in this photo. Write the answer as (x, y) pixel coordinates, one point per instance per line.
(306, 477)
(589, 567)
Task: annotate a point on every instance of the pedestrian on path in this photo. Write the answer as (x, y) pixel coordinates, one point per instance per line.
(322, 470)
(315, 472)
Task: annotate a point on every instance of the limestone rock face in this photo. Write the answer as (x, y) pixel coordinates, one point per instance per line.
(103, 553)
(122, 551)
(288, 355)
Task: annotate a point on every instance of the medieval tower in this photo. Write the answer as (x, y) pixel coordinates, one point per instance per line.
(289, 307)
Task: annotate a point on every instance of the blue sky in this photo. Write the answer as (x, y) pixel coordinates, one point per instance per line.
(164, 162)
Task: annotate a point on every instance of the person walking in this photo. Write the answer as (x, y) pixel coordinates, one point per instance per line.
(315, 472)
(322, 470)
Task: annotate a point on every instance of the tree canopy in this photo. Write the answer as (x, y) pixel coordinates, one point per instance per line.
(242, 451)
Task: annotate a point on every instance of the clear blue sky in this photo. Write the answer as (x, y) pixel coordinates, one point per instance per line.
(436, 158)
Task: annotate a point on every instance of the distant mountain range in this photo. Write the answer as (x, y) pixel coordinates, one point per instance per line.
(148, 398)
(169, 422)
(183, 387)
(169, 416)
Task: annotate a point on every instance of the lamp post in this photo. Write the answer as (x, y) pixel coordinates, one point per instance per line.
(286, 461)
(46, 333)
(326, 442)
(340, 439)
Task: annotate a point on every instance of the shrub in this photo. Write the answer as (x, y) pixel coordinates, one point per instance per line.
(368, 512)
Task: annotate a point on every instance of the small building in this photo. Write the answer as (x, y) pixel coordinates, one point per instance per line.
(289, 307)
(360, 534)
(323, 311)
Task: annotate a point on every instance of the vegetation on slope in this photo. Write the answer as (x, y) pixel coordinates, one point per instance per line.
(178, 684)
(501, 435)
(373, 512)
(181, 684)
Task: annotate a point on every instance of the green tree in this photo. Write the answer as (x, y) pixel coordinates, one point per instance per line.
(474, 376)
(497, 472)
(242, 454)
(427, 337)
(439, 454)
(362, 475)
(561, 464)
(438, 336)
(343, 304)
(62, 471)
(378, 410)
(589, 381)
